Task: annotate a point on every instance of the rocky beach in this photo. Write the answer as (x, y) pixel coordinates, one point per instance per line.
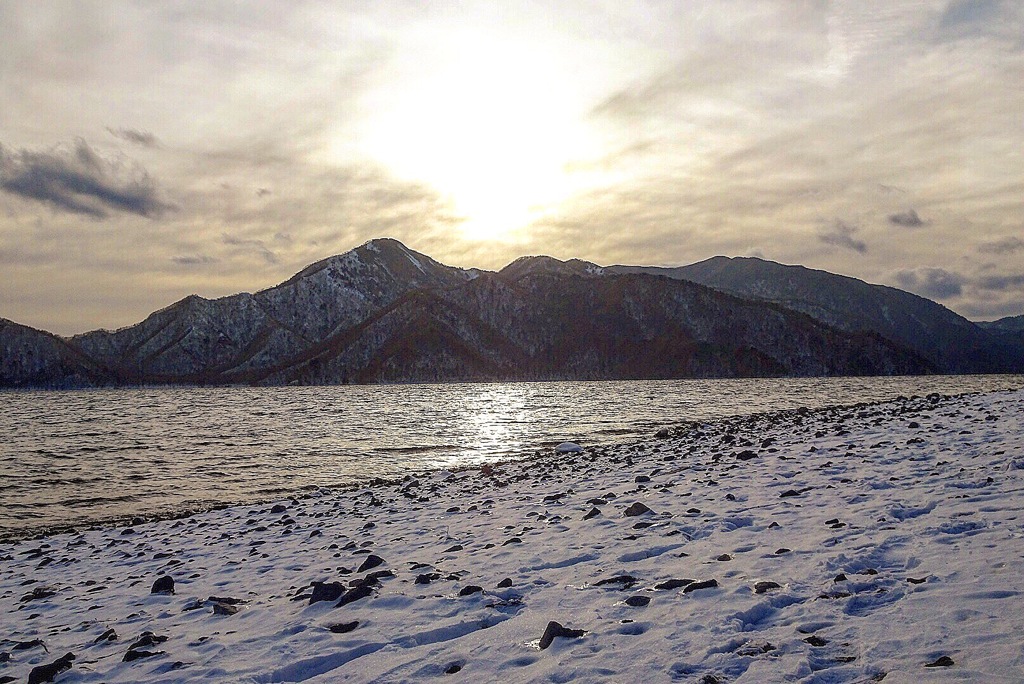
(877, 542)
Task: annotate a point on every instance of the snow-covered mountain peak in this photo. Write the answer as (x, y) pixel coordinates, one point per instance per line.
(545, 264)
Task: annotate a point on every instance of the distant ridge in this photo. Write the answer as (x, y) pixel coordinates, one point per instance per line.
(953, 343)
(385, 313)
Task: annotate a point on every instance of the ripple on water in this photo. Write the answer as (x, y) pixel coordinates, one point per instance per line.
(75, 457)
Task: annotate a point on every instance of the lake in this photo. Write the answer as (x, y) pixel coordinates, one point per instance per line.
(84, 456)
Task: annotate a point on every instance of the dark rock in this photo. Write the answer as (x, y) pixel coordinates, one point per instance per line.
(724, 557)
(555, 630)
(373, 578)
(789, 492)
(224, 608)
(641, 479)
(427, 578)
(139, 655)
(505, 583)
(326, 591)
(943, 661)
(355, 594)
(706, 584)
(816, 641)
(625, 580)
(372, 561)
(46, 673)
(636, 508)
(147, 639)
(914, 580)
(746, 455)
(343, 627)
(163, 585)
(673, 584)
(513, 540)
(109, 635)
(663, 433)
(38, 593)
(841, 577)
(5, 657)
(279, 508)
(762, 587)
(782, 550)
(453, 668)
(638, 601)
(592, 513)
(470, 589)
(25, 645)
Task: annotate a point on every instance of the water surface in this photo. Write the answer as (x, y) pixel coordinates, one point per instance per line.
(75, 457)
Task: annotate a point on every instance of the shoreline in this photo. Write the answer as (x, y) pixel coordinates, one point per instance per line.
(916, 503)
(310, 490)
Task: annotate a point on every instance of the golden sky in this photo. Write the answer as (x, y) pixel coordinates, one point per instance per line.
(150, 150)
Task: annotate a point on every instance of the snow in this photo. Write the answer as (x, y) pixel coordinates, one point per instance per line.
(845, 545)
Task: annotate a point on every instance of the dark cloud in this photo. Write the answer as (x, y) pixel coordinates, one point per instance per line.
(841, 234)
(140, 138)
(1007, 245)
(79, 181)
(194, 260)
(1000, 283)
(907, 219)
(967, 12)
(933, 283)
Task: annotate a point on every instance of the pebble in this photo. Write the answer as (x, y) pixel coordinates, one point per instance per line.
(46, 673)
(635, 509)
(163, 585)
(555, 630)
(706, 584)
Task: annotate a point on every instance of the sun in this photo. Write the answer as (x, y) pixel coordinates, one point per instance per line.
(492, 129)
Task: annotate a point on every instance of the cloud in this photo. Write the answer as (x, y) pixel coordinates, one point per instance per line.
(1001, 282)
(251, 244)
(140, 138)
(907, 219)
(933, 283)
(77, 180)
(841, 234)
(194, 260)
(967, 12)
(1007, 245)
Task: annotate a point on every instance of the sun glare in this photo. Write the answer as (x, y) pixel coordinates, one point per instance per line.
(491, 130)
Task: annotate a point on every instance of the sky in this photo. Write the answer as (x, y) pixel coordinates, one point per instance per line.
(151, 150)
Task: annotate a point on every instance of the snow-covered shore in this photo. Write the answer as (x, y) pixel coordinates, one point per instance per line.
(881, 542)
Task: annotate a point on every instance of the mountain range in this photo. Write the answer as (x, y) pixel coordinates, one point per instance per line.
(384, 313)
